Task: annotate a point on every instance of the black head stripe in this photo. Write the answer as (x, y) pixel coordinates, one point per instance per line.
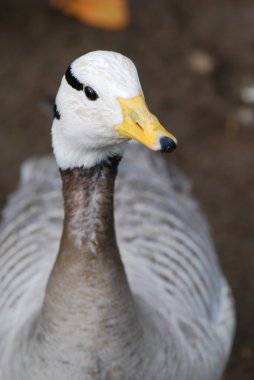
(72, 81)
(56, 113)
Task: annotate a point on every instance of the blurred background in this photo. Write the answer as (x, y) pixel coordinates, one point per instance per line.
(196, 63)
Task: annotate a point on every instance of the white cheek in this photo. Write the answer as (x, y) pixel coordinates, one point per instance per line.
(114, 114)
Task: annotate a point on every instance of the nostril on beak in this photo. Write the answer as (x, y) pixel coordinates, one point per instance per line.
(167, 144)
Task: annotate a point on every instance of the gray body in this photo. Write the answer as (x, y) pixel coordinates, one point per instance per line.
(182, 298)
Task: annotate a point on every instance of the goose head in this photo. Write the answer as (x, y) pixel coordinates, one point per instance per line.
(99, 107)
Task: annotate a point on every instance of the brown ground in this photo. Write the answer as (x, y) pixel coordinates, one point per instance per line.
(38, 43)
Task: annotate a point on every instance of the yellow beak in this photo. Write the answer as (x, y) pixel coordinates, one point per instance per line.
(141, 125)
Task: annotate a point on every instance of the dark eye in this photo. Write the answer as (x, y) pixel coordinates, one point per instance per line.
(90, 93)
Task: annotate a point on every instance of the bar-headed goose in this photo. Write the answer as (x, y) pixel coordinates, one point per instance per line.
(135, 293)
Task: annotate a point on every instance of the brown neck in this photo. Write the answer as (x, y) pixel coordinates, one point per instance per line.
(89, 218)
(88, 258)
(88, 296)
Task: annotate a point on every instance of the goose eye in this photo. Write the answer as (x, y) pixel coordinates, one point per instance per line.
(90, 93)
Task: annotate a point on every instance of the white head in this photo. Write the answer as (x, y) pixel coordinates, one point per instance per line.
(98, 102)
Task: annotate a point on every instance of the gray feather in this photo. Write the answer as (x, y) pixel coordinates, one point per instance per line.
(165, 245)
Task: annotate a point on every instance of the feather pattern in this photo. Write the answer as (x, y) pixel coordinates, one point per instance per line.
(168, 255)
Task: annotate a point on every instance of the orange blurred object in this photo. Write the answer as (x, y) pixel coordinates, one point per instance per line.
(105, 14)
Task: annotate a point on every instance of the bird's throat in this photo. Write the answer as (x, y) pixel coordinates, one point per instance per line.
(88, 203)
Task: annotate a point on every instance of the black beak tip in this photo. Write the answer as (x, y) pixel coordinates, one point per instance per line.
(167, 144)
